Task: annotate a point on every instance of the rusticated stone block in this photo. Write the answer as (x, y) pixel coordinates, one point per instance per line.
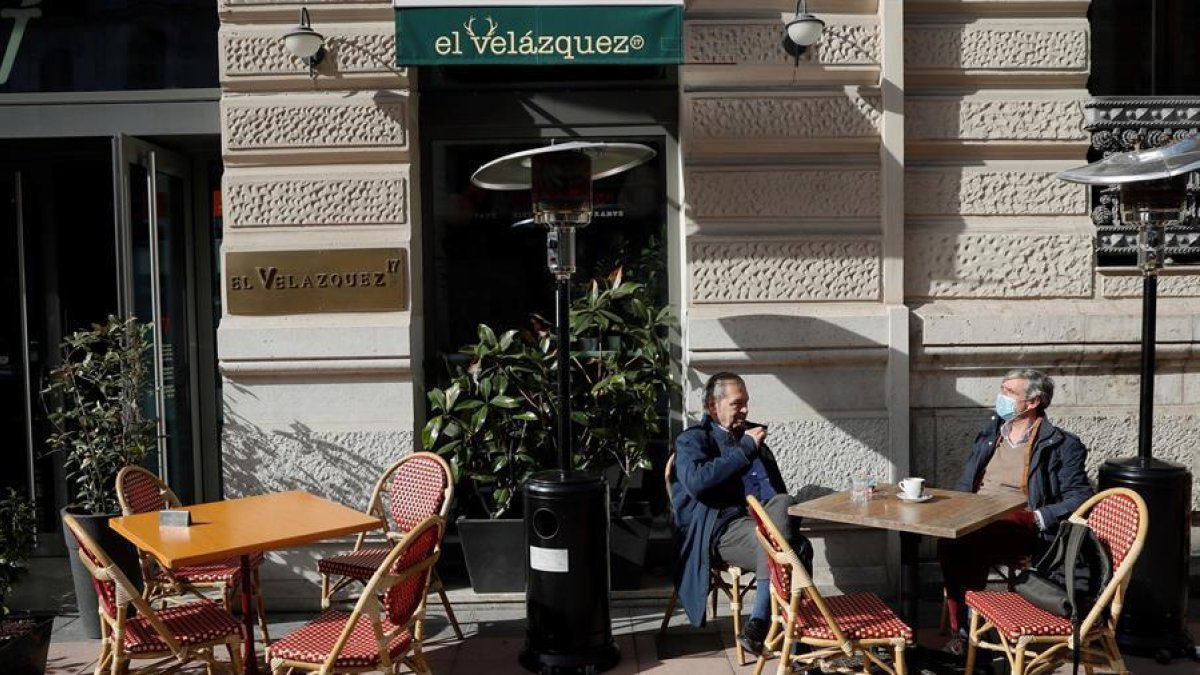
(782, 193)
(734, 270)
(341, 466)
(758, 42)
(988, 46)
(314, 121)
(957, 191)
(820, 456)
(791, 116)
(998, 265)
(980, 119)
(352, 49)
(1169, 286)
(344, 199)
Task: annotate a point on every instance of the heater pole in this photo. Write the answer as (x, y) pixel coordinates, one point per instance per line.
(562, 318)
(1146, 404)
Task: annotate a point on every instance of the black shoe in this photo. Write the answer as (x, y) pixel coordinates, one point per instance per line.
(753, 634)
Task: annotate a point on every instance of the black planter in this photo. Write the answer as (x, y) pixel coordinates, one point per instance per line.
(495, 553)
(26, 654)
(629, 538)
(123, 554)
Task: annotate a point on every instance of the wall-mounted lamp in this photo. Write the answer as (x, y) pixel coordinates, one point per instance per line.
(802, 31)
(305, 43)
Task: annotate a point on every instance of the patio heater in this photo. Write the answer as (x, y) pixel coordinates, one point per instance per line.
(1153, 191)
(567, 599)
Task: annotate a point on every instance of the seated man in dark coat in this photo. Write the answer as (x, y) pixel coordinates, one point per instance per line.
(1019, 451)
(718, 462)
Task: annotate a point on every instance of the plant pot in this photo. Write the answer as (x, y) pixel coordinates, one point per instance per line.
(25, 653)
(495, 553)
(628, 540)
(123, 554)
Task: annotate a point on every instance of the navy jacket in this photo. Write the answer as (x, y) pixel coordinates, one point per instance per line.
(707, 477)
(1057, 481)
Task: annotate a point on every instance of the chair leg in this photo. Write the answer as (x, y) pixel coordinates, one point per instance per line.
(785, 653)
(898, 660)
(235, 656)
(325, 591)
(256, 588)
(944, 622)
(735, 608)
(972, 641)
(441, 591)
(1018, 666)
(670, 610)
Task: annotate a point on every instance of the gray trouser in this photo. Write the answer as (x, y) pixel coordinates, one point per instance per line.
(739, 546)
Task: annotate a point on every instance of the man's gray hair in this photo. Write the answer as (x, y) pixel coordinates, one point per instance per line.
(714, 389)
(1039, 385)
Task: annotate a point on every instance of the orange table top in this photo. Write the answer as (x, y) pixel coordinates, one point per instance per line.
(240, 526)
(947, 513)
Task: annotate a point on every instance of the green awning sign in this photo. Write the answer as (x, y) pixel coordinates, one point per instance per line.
(618, 33)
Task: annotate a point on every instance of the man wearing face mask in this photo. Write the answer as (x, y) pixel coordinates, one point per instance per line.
(1019, 451)
(718, 462)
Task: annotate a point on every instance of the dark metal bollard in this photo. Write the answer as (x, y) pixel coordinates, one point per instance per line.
(567, 594)
(1154, 618)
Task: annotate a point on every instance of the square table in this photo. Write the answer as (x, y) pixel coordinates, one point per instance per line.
(949, 514)
(243, 527)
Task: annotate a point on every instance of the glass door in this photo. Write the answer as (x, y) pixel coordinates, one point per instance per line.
(154, 245)
(17, 385)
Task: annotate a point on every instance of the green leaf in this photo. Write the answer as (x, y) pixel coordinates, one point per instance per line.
(504, 402)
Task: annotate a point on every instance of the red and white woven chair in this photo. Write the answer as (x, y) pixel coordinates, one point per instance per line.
(172, 636)
(722, 579)
(383, 632)
(834, 627)
(416, 487)
(140, 491)
(1035, 641)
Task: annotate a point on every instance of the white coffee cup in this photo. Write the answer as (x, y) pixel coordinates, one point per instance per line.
(912, 487)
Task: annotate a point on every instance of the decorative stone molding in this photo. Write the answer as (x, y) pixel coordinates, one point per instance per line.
(989, 45)
(998, 265)
(962, 191)
(818, 116)
(1124, 124)
(373, 198)
(815, 456)
(758, 42)
(365, 48)
(781, 270)
(1169, 286)
(315, 121)
(783, 193)
(993, 119)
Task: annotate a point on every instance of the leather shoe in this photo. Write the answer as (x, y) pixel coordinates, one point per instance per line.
(753, 634)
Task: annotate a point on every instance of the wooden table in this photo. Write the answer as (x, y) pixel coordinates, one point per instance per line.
(949, 514)
(243, 527)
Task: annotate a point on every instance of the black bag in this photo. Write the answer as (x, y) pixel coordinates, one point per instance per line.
(1069, 578)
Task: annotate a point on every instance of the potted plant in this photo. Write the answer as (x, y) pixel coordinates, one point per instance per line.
(493, 424)
(24, 636)
(618, 393)
(95, 404)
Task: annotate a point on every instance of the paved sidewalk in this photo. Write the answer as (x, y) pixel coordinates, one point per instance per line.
(495, 632)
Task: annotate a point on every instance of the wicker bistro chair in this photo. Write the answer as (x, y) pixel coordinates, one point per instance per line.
(412, 489)
(140, 491)
(834, 627)
(383, 632)
(172, 636)
(1035, 641)
(722, 578)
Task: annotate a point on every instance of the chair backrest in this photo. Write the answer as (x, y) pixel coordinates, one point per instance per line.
(1119, 519)
(112, 586)
(790, 582)
(667, 469)
(140, 491)
(412, 565)
(420, 486)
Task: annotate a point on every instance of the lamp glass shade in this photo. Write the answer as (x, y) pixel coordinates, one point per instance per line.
(1159, 200)
(805, 30)
(303, 42)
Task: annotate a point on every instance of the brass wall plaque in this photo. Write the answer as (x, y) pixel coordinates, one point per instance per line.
(310, 282)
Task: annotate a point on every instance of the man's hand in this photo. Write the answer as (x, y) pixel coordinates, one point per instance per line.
(759, 434)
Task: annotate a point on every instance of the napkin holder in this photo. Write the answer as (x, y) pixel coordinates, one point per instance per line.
(174, 518)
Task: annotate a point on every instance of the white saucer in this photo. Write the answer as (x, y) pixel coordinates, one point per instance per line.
(923, 498)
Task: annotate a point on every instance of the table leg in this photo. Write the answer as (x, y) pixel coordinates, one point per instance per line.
(249, 656)
(909, 579)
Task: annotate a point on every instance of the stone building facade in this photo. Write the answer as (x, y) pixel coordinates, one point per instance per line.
(872, 236)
